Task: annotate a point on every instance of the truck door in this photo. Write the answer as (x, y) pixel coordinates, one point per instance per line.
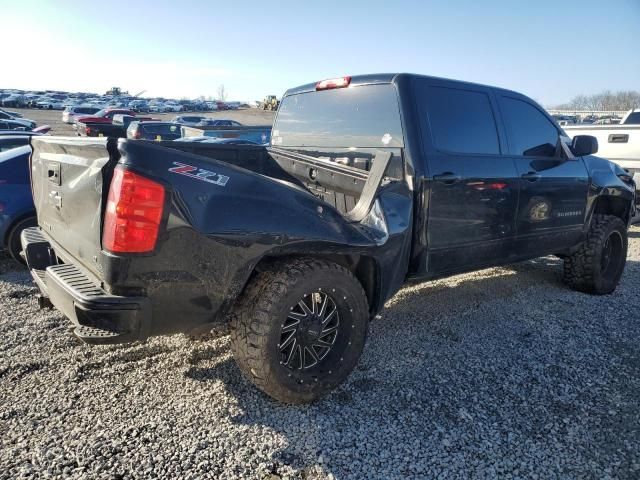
(473, 187)
(553, 187)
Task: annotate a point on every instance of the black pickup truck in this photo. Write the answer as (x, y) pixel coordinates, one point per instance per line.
(117, 128)
(369, 182)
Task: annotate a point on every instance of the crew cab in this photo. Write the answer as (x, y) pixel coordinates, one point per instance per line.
(369, 182)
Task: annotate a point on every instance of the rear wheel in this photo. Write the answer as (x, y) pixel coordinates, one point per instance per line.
(598, 265)
(13, 239)
(299, 329)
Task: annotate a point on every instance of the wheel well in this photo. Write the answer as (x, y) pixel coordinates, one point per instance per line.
(363, 268)
(16, 220)
(615, 206)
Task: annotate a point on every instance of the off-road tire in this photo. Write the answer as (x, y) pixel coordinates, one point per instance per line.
(583, 270)
(13, 238)
(258, 317)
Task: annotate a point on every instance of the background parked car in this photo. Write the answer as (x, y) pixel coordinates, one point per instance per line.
(17, 211)
(190, 120)
(6, 115)
(69, 112)
(51, 104)
(154, 131)
(14, 100)
(17, 124)
(9, 114)
(215, 122)
(103, 116)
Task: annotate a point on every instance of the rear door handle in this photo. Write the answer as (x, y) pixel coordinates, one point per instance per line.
(448, 177)
(531, 176)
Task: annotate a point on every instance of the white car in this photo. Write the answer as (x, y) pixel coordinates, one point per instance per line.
(51, 104)
(173, 107)
(69, 112)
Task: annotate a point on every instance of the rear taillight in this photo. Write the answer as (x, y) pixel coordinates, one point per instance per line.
(339, 82)
(87, 131)
(133, 213)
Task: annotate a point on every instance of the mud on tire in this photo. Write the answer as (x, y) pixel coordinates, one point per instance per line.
(267, 313)
(598, 265)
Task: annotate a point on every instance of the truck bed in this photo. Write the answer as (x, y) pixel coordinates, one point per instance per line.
(241, 201)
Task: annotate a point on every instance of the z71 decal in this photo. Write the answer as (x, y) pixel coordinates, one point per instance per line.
(199, 174)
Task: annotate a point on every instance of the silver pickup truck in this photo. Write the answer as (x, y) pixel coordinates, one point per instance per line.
(618, 143)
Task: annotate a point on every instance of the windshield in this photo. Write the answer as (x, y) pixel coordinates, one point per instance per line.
(100, 113)
(364, 116)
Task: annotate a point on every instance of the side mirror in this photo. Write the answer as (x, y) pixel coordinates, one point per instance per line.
(584, 145)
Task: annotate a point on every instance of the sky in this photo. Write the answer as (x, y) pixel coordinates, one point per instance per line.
(550, 50)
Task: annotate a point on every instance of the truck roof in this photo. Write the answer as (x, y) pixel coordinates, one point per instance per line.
(379, 78)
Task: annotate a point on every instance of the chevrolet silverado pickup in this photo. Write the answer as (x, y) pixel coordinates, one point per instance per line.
(369, 182)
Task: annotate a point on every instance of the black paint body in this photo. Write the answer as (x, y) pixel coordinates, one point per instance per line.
(213, 238)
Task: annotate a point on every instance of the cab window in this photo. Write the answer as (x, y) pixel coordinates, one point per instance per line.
(531, 133)
(461, 121)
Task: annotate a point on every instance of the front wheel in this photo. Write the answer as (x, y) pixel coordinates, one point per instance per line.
(598, 265)
(299, 329)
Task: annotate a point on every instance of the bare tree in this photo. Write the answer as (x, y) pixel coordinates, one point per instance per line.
(222, 93)
(606, 100)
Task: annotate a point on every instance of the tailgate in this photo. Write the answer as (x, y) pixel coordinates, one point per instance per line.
(67, 180)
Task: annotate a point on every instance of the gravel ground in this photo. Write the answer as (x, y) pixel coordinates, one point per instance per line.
(53, 118)
(501, 373)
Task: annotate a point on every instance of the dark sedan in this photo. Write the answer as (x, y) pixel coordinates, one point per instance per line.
(17, 124)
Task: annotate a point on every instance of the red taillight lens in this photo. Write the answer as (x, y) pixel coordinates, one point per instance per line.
(133, 214)
(333, 83)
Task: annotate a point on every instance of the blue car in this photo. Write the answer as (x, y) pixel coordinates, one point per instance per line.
(17, 211)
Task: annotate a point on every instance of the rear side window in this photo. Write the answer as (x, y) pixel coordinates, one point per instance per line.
(162, 129)
(362, 116)
(633, 119)
(14, 143)
(462, 121)
(531, 133)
